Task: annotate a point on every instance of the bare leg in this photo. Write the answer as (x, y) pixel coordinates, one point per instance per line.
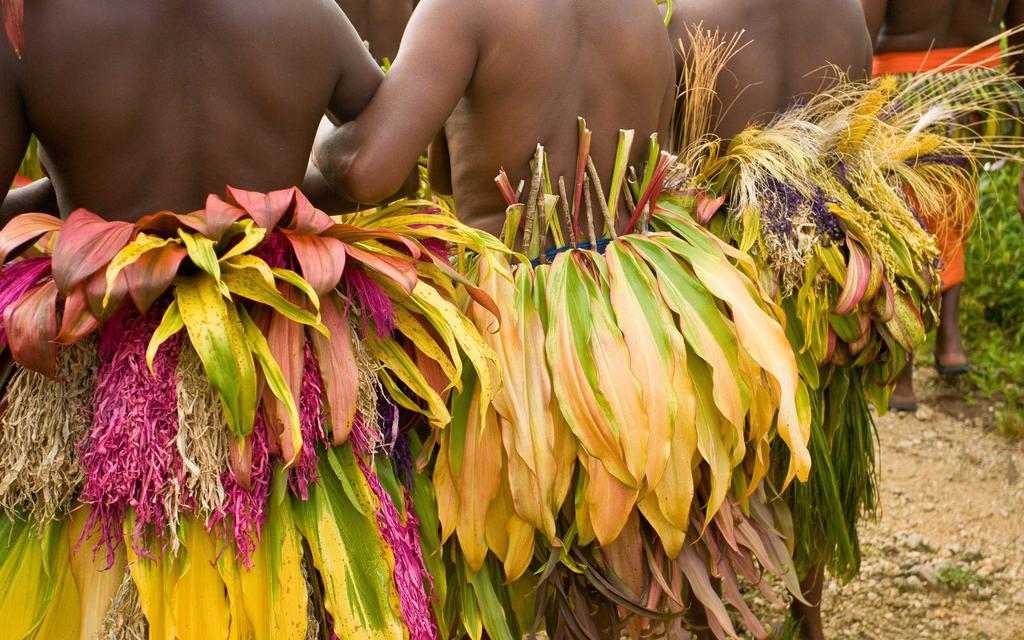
(903, 397)
(949, 348)
(809, 617)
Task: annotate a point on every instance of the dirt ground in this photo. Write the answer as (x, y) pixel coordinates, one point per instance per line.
(945, 559)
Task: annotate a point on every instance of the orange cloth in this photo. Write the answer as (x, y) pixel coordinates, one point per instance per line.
(953, 59)
(943, 60)
(953, 264)
(949, 239)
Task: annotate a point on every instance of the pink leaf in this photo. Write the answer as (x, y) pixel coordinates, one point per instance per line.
(858, 273)
(266, 209)
(85, 245)
(167, 223)
(322, 260)
(150, 276)
(286, 340)
(219, 216)
(77, 321)
(14, 18)
(240, 460)
(337, 367)
(708, 207)
(24, 229)
(31, 326)
(96, 290)
(307, 219)
(401, 271)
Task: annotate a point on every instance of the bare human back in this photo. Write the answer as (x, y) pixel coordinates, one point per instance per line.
(499, 77)
(794, 47)
(148, 106)
(909, 25)
(380, 23)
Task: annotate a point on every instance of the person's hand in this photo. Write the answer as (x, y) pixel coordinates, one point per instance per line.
(1020, 196)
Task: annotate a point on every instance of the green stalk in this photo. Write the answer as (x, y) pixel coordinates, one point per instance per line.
(619, 171)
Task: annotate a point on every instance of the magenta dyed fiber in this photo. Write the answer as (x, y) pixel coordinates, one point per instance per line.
(129, 456)
(438, 247)
(411, 576)
(17, 279)
(373, 302)
(311, 421)
(244, 512)
(275, 251)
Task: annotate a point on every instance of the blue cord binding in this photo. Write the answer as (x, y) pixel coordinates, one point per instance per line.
(550, 254)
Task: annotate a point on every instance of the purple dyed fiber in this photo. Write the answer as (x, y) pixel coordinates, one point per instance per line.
(401, 459)
(781, 203)
(129, 456)
(841, 173)
(244, 512)
(412, 579)
(389, 427)
(939, 158)
(17, 279)
(825, 222)
(311, 422)
(372, 300)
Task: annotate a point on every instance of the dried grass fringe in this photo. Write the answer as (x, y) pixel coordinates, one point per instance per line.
(369, 394)
(312, 620)
(125, 620)
(43, 421)
(203, 440)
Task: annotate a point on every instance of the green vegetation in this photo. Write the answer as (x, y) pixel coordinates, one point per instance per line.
(958, 578)
(993, 299)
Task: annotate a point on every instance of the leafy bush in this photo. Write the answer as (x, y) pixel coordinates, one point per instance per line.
(993, 296)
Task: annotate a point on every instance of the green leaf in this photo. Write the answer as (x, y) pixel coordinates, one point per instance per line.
(202, 253)
(170, 325)
(272, 374)
(355, 563)
(250, 283)
(251, 237)
(140, 246)
(217, 334)
(396, 360)
(299, 283)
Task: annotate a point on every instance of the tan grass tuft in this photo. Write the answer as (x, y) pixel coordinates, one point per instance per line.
(42, 424)
(125, 620)
(203, 438)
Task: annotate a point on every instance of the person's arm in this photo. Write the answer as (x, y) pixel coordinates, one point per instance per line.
(14, 131)
(369, 159)
(874, 13)
(359, 75)
(439, 165)
(38, 197)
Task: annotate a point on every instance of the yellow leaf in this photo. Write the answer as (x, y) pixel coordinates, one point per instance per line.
(133, 251)
(97, 585)
(199, 600)
(274, 591)
(217, 334)
(155, 580)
